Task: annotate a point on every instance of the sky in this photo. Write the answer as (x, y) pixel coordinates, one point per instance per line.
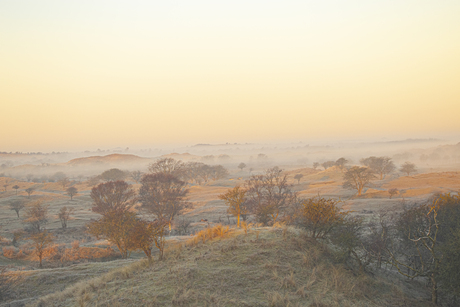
(100, 74)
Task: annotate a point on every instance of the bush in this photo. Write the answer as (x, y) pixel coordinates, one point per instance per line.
(319, 216)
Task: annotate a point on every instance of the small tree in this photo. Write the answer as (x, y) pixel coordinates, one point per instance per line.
(235, 200)
(6, 185)
(298, 177)
(64, 182)
(319, 216)
(379, 165)
(71, 191)
(341, 163)
(16, 187)
(168, 166)
(316, 165)
(268, 195)
(41, 241)
(17, 205)
(218, 172)
(113, 200)
(408, 168)
(144, 234)
(163, 194)
(36, 216)
(393, 192)
(241, 166)
(29, 191)
(116, 227)
(136, 175)
(64, 215)
(357, 178)
(112, 195)
(327, 164)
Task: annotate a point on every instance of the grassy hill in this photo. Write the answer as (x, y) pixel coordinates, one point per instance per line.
(265, 267)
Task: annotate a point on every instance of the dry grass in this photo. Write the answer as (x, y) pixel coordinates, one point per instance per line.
(280, 268)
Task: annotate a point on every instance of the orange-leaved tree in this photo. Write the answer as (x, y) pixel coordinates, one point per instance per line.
(41, 240)
(320, 215)
(144, 234)
(236, 202)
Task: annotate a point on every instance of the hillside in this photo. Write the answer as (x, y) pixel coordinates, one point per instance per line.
(109, 159)
(266, 267)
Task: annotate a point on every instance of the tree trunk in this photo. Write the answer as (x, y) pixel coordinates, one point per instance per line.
(238, 221)
(434, 290)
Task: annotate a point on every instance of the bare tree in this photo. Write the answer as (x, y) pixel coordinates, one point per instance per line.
(64, 215)
(168, 166)
(113, 200)
(136, 175)
(357, 178)
(379, 165)
(16, 187)
(218, 172)
(163, 194)
(268, 195)
(112, 196)
(64, 182)
(72, 191)
(408, 168)
(17, 205)
(36, 216)
(29, 191)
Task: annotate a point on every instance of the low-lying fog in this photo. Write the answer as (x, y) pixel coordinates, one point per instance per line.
(425, 153)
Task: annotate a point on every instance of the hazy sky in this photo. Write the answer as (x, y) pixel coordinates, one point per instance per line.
(89, 74)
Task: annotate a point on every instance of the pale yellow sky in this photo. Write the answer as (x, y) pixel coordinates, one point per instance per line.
(78, 74)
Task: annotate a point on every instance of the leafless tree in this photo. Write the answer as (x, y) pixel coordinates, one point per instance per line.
(136, 175)
(162, 195)
(112, 196)
(64, 215)
(36, 216)
(268, 195)
(168, 166)
(64, 182)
